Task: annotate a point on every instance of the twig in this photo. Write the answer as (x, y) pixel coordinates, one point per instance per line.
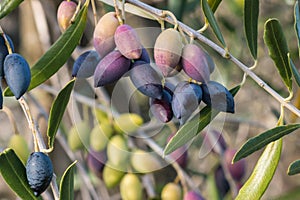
(191, 32)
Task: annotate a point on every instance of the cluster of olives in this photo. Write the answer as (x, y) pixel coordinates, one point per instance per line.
(235, 170)
(14, 69)
(118, 51)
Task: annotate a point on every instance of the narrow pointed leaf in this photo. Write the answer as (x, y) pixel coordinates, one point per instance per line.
(6, 6)
(258, 142)
(58, 53)
(278, 50)
(67, 183)
(212, 21)
(14, 174)
(294, 168)
(214, 4)
(295, 71)
(297, 23)
(251, 12)
(190, 129)
(262, 174)
(57, 111)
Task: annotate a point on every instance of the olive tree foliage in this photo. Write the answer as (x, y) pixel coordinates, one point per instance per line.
(212, 36)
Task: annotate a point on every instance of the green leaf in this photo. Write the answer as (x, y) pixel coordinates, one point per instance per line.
(177, 7)
(258, 142)
(6, 6)
(190, 129)
(294, 168)
(67, 183)
(251, 12)
(262, 174)
(58, 53)
(294, 70)
(214, 4)
(297, 23)
(212, 21)
(14, 174)
(57, 111)
(278, 50)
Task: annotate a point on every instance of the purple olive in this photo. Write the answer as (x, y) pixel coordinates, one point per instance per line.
(1, 99)
(65, 12)
(194, 63)
(218, 97)
(237, 170)
(103, 37)
(111, 68)
(162, 108)
(192, 195)
(96, 161)
(144, 57)
(146, 79)
(128, 42)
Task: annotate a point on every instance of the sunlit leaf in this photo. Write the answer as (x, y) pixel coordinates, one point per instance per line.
(262, 174)
(258, 142)
(67, 183)
(58, 53)
(193, 127)
(14, 173)
(212, 21)
(6, 6)
(57, 111)
(278, 50)
(251, 12)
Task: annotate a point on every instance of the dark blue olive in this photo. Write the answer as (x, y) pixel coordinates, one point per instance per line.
(85, 65)
(4, 51)
(17, 74)
(146, 79)
(39, 172)
(186, 99)
(218, 97)
(162, 108)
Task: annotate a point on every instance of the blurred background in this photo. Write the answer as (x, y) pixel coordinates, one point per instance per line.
(33, 28)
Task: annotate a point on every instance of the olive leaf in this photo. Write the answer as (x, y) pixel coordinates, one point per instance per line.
(294, 168)
(193, 127)
(14, 174)
(262, 174)
(57, 111)
(6, 6)
(260, 141)
(212, 21)
(58, 53)
(251, 12)
(278, 50)
(214, 4)
(67, 183)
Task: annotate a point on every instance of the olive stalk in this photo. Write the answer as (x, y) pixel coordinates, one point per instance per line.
(224, 52)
